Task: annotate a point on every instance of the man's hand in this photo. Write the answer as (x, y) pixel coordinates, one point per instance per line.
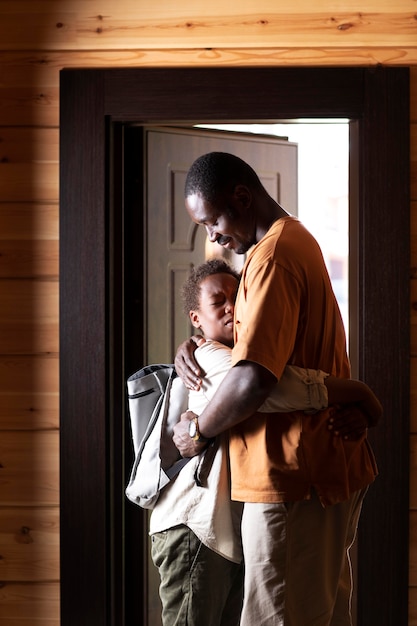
(187, 447)
(185, 363)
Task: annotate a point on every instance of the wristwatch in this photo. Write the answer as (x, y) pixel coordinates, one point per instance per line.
(194, 431)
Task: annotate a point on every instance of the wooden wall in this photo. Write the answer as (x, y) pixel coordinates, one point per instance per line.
(37, 39)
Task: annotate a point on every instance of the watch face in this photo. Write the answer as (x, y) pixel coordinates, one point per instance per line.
(192, 429)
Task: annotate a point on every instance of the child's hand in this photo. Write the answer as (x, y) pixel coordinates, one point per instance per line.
(346, 394)
(349, 421)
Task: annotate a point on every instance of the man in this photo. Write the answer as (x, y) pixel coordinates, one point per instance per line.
(302, 477)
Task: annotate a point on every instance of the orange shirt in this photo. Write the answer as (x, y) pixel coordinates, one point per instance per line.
(286, 312)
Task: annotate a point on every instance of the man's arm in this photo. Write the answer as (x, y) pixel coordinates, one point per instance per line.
(239, 396)
(186, 366)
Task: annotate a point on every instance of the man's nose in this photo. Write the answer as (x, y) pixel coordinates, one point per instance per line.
(211, 234)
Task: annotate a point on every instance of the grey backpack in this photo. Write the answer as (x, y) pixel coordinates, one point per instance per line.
(156, 398)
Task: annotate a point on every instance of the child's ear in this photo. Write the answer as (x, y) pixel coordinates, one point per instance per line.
(195, 320)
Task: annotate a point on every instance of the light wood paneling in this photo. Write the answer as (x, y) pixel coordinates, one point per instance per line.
(28, 258)
(29, 468)
(29, 165)
(29, 544)
(104, 25)
(29, 374)
(24, 222)
(33, 145)
(23, 410)
(28, 241)
(186, 7)
(29, 316)
(29, 182)
(34, 604)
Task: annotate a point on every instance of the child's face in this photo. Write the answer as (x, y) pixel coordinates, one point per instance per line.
(217, 305)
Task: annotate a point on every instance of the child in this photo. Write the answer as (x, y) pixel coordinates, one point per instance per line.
(195, 527)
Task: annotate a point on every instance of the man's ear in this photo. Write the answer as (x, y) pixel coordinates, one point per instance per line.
(243, 196)
(195, 320)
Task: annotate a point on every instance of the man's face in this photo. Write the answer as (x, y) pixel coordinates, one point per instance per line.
(229, 222)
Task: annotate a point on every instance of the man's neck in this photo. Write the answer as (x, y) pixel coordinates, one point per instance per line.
(273, 212)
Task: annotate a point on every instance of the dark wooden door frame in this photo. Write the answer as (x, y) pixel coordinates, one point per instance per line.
(95, 104)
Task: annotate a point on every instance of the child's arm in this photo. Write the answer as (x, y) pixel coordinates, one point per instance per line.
(299, 389)
(313, 390)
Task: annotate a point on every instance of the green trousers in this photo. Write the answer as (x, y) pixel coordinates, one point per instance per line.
(198, 586)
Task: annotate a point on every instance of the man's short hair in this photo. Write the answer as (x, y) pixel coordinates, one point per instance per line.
(191, 289)
(217, 172)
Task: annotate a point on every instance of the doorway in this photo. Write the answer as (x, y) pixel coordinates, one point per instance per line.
(93, 513)
(308, 182)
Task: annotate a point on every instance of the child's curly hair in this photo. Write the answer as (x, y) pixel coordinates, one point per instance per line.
(191, 291)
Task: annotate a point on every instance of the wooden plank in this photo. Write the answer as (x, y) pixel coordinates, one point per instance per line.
(27, 145)
(29, 240)
(29, 221)
(29, 410)
(27, 338)
(29, 170)
(29, 258)
(185, 7)
(29, 544)
(29, 90)
(29, 469)
(29, 604)
(29, 182)
(204, 26)
(29, 316)
(29, 374)
(31, 79)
